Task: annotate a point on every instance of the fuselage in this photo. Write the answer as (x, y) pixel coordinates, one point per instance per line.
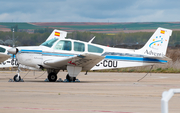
(35, 56)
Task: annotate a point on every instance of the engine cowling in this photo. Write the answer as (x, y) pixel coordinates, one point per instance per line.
(13, 51)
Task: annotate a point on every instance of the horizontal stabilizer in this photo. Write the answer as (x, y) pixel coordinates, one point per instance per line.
(159, 58)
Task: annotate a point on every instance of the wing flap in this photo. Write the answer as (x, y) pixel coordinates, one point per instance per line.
(88, 62)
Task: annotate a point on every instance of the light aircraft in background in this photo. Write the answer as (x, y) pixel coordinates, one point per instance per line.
(6, 59)
(58, 53)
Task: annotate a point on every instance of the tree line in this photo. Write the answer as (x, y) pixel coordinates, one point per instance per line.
(26, 39)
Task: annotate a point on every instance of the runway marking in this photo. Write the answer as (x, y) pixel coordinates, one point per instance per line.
(25, 108)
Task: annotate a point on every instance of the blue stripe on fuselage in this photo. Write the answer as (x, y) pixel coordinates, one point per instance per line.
(139, 59)
(40, 51)
(34, 51)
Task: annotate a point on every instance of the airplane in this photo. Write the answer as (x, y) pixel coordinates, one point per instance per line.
(6, 59)
(58, 53)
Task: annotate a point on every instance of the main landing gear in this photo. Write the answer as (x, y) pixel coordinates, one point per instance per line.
(52, 77)
(72, 70)
(70, 79)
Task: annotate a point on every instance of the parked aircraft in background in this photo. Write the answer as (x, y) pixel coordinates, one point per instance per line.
(58, 53)
(6, 59)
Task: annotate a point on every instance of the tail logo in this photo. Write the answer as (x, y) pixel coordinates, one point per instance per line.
(158, 41)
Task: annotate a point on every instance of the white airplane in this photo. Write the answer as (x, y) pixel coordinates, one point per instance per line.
(6, 59)
(58, 53)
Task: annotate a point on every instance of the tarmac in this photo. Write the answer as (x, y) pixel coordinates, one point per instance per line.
(95, 93)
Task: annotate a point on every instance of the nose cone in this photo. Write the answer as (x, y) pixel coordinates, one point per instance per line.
(13, 50)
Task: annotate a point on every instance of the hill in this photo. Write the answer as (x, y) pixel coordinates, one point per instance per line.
(98, 27)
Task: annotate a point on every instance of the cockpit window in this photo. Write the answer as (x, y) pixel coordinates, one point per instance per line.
(50, 42)
(78, 46)
(94, 49)
(63, 45)
(2, 50)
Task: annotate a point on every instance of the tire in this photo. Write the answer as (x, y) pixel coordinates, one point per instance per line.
(52, 77)
(70, 79)
(16, 79)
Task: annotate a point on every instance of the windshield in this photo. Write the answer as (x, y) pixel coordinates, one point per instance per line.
(50, 42)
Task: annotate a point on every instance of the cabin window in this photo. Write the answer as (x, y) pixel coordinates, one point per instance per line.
(50, 42)
(78, 46)
(63, 45)
(2, 50)
(94, 49)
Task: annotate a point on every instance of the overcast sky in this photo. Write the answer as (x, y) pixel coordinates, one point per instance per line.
(89, 10)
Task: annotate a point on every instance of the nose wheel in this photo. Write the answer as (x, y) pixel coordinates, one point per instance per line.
(17, 78)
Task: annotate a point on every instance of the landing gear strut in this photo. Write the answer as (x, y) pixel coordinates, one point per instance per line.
(52, 77)
(70, 79)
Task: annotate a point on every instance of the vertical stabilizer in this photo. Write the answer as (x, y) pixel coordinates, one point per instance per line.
(157, 44)
(57, 34)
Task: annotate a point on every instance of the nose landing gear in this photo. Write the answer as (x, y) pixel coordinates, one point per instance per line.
(17, 77)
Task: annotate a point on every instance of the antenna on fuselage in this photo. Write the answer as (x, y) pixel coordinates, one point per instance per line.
(92, 39)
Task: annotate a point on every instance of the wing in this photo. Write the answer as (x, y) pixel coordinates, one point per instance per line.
(4, 57)
(86, 61)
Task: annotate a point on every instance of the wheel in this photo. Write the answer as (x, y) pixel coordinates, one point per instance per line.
(70, 79)
(52, 77)
(16, 78)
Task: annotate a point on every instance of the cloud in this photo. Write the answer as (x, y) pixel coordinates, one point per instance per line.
(89, 10)
(3, 16)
